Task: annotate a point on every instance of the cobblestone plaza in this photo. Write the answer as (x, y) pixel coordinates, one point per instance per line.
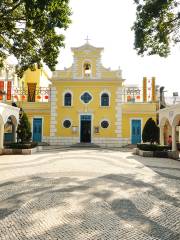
(83, 194)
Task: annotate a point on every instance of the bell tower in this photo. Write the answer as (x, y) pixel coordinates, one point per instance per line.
(87, 62)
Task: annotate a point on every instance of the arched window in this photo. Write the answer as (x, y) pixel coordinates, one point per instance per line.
(87, 69)
(104, 99)
(67, 99)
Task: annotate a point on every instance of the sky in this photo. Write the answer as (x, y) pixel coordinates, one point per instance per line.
(108, 25)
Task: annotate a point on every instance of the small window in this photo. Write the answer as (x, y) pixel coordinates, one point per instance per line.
(67, 123)
(67, 99)
(86, 97)
(104, 124)
(104, 99)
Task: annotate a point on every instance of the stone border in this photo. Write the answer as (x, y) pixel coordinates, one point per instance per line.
(171, 154)
(10, 151)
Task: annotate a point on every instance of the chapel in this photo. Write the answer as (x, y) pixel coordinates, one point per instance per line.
(85, 103)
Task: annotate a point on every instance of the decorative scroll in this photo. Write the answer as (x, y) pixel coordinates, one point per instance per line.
(9, 84)
(1, 89)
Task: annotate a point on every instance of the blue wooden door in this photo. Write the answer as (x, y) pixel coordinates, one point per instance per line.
(136, 131)
(37, 129)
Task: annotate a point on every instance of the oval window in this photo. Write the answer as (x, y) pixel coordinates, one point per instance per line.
(67, 124)
(104, 124)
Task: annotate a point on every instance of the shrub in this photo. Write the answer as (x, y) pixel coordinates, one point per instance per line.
(150, 132)
(152, 147)
(24, 129)
(21, 145)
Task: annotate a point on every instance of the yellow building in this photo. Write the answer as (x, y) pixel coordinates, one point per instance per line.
(85, 103)
(90, 103)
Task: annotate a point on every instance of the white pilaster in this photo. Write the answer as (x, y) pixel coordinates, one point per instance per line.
(53, 127)
(118, 108)
(1, 135)
(162, 135)
(174, 146)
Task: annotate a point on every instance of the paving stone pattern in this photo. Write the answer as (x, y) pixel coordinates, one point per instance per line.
(90, 194)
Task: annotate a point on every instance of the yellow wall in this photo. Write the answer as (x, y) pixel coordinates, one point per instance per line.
(39, 110)
(38, 76)
(142, 111)
(73, 113)
(45, 120)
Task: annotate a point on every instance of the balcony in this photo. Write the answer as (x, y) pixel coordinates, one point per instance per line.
(21, 95)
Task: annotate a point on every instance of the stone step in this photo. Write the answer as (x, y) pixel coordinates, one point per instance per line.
(85, 145)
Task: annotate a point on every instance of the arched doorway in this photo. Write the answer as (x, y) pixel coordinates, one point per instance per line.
(175, 132)
(10, 128)
(165, 131)
(9, 117)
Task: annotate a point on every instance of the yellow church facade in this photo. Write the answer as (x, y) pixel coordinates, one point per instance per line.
(86, 103)
(89, 104)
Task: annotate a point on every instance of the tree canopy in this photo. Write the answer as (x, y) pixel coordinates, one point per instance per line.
(157, 26)
(28, 30)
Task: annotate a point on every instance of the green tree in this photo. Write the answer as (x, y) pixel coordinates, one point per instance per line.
(150, 132)
(30, 30)
(24, 129)
(157, 26)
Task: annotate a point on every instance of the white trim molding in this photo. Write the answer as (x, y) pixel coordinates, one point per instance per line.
(118, 109)
(53, 124)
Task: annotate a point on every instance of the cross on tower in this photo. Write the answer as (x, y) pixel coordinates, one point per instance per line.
(87, 39)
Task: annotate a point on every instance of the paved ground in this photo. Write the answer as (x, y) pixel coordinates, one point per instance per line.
(89, 195)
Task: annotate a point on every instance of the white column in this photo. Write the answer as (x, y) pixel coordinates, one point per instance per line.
(174, 146)
(1, 135)
(162, 135)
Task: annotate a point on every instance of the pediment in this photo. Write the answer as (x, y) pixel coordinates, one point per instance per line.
(87, 48)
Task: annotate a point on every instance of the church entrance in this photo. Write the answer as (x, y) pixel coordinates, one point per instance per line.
(85, 129)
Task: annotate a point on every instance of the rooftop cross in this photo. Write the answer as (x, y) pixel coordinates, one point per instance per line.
(87, 39)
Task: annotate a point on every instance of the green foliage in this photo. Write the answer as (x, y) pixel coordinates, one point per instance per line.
(21, 145)
(152, 147)
(157, 26)
(24, 129)
(30, 30)
(150, 132)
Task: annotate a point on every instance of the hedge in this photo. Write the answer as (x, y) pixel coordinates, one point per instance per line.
(21, 145)
(153, 147)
